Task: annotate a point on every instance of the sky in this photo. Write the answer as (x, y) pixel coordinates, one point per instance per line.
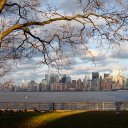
(100, 60)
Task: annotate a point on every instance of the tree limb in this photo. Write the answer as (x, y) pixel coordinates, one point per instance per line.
(2, 3)
(68, 18)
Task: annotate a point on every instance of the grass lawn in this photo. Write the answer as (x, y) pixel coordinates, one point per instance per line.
(64, 119)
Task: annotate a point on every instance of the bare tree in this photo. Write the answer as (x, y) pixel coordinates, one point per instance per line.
(27, 29)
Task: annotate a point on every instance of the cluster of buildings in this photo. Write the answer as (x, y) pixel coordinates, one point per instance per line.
(54, 82)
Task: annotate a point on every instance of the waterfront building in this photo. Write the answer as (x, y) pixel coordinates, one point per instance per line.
(74, 84)
(95, 75)
(106, 84)
(95, 85)
(80, 85)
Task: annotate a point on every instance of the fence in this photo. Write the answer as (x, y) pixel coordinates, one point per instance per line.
(64, 106)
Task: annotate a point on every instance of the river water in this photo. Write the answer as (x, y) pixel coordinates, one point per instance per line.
(45, 97)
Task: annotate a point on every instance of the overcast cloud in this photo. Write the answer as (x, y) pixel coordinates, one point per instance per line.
(79, 63)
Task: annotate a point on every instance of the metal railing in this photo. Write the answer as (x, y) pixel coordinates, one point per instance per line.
(64, 106)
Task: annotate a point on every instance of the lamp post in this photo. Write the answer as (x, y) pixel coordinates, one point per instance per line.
(25, 106)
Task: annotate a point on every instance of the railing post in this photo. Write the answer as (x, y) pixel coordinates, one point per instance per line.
(69, 105)
(97, 107)
(118, 106)
(53, 106)
(103, 106)
(76, 106)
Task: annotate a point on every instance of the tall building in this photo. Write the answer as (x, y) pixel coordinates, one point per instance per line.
(80, 85)
(106, 84)
(24, 86)
(68, 79)
(95, 75)
(63, 79)
(106, 75)
(74, 83)
(47, 78)
(118, 80)
(32, 86)
(95, 85)
(126, 85)
(44, 85)
(86, 83)
(54, 79)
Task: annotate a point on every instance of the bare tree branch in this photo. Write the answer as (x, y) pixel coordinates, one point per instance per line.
(2, 4)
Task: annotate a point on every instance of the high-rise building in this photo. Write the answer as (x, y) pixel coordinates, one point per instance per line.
(53, 78)
(47, 78)
(68, 79)
(95, 75)
(95, 85)
(105, 84)
(106, 75)
(44, 84)
(63, 79)
(80, 85)
(86, 83)
(24, 86)
(118, 80)
(32, 86)
(126, 85)
(73, 84)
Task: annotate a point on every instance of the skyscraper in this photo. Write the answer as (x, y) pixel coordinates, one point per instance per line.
(106, 75)
(95, 75)
(47, 78)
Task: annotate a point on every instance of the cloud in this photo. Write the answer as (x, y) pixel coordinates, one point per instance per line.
(122, 53)
(84, 69)
(69, 6)
(81, 61)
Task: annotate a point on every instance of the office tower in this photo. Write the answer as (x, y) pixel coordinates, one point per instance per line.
(53, 79)
(95, 75)
(44, 85)
(68, 79)
(105, 84)
(73, 84)
(33, 86)
(106, 76)
(86, 83)
(24, 86)
(63, 79)
(80, 85)
(126, 85)
(47, 78)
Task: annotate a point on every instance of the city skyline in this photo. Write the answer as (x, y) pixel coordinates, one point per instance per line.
(88, 75)
(57, 82)
(26, 73)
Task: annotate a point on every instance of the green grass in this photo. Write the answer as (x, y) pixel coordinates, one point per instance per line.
(64, 119)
